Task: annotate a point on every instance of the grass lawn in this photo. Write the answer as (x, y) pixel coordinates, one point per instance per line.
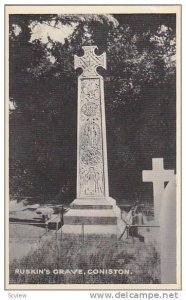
(139, 261)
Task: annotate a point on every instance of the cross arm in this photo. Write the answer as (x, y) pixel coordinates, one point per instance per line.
(147, 176)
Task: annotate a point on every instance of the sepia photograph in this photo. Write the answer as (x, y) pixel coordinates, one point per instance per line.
(93, 147)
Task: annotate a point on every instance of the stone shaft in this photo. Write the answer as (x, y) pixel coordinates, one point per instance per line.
(92, 174)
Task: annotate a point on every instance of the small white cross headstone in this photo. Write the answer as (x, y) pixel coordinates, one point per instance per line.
(158, 176)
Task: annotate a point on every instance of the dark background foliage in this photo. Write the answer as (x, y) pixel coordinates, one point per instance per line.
(140, 95)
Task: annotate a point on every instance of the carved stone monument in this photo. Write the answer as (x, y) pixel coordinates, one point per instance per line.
(92, 175)
(93, 208)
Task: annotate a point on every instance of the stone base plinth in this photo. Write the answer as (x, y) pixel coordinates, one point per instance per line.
(92, 216)
(90, 229)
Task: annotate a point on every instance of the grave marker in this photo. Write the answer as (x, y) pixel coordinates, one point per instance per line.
(158, 176)
(93, 207)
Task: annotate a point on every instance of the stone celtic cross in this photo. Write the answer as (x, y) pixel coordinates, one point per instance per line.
(92, 174)
(93, 211)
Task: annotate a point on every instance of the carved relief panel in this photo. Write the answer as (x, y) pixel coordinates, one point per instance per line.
(91, 164)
